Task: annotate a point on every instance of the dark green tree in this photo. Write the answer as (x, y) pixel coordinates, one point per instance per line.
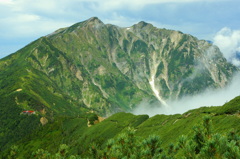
(13, 152)
(41, 154)
(151, 147)
(206, 144)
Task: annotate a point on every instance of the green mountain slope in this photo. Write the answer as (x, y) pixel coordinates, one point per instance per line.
(101, 68)
(108, 69)
(75, 133)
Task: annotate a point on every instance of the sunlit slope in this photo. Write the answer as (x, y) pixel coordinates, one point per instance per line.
(101, 68)
(106, 69)
(78, 136)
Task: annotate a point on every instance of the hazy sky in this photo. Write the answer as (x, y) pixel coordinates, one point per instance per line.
(22, 21)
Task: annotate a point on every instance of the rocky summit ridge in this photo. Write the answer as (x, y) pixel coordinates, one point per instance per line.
(92, 66)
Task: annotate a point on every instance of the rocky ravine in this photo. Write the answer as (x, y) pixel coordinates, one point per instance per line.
(107, 68)
(165, 63)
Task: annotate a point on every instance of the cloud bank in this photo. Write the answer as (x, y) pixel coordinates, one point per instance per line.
(206, 98)
(229, 43)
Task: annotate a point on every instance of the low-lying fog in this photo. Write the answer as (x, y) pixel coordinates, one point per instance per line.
(215, 97)
(229, 43)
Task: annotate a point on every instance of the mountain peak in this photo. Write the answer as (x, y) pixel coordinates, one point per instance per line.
(94, 20)
(114, 61)
(143, 24)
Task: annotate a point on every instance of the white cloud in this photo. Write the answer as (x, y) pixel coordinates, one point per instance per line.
(138, 4)
(28, 13)
(23, 18)
(206, 98)
(6, 2)
(229, 43)
(120, 20)
(236, 62)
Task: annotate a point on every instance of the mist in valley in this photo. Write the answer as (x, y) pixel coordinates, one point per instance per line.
(229, 43)
(210, 97)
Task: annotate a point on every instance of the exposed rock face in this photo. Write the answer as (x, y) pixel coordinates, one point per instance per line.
(43, 121)
(107, 69)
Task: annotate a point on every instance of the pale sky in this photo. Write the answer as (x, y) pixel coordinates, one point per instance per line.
(23, 21)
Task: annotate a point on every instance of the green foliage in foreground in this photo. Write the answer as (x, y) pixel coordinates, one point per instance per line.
(203, 143)
(175, 135)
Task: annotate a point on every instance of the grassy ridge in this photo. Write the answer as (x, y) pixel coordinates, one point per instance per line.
(105, 70)
(75, 133)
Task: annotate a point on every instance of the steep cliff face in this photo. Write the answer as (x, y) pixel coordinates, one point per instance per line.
(106, 68)
(163, 63)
